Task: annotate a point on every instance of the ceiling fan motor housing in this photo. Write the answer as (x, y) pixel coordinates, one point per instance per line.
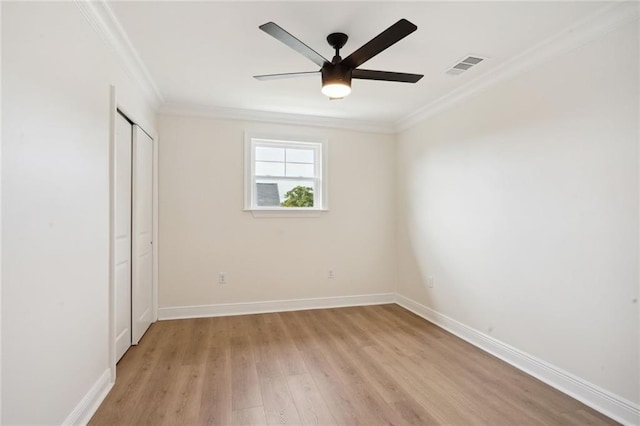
(336, 74)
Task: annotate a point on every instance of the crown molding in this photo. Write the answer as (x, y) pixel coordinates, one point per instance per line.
(605, 20)
(104, 22)
(278, 118)
(602, 22)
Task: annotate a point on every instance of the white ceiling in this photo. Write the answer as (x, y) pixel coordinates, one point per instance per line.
(205, 53)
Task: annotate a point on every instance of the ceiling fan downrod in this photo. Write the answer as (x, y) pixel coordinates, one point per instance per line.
(337, 41)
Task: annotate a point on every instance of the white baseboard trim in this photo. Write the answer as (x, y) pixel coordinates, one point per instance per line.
(202, 311)
(619, 409)
(181, 312)
(91, 401)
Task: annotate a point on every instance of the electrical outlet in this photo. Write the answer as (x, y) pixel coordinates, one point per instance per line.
(332, 274)
(430, 282)
(222, 278)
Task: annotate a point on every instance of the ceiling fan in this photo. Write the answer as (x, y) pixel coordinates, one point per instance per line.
(337, 73)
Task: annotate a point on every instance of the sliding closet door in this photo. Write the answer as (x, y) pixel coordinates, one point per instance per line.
(142, 230)
(122, 237)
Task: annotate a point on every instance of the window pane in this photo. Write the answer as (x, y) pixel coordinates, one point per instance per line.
(280, 167)
(267, 194)
(304, 170)
(266, 153)
(270, 190)
(300, 193)
(269, 169)
(300, 155)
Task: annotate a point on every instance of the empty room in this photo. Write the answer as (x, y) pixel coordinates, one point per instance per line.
(320, 213)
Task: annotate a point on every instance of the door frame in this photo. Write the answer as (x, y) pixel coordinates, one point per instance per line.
(117, 105)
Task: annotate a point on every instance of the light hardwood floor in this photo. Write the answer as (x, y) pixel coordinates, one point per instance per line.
(364, 365)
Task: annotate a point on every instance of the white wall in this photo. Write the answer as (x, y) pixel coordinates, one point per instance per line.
(204, 230)
(522, 203)
(56, 77)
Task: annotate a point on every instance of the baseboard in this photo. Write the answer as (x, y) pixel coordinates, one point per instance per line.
(91, 401)
(226, 309)
(619, 409)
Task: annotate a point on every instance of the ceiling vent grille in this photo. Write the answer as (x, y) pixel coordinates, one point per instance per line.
(465, 64)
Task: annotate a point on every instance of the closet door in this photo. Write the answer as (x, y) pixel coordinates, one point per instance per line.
(142, 230)
(122, 237)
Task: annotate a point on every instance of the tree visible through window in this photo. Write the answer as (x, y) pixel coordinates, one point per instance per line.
(300, 196)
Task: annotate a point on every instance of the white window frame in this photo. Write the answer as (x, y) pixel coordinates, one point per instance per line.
(320, 145)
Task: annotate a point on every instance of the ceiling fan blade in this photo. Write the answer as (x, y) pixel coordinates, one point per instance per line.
(387, 38)
(386, 76)
(286, 75)
(278, 33)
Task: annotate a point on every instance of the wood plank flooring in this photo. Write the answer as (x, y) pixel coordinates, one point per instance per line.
(368, 365)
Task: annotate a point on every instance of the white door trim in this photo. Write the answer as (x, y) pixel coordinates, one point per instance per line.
(113, 108)
(122, 234)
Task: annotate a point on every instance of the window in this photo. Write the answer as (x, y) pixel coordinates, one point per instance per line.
(285, 175)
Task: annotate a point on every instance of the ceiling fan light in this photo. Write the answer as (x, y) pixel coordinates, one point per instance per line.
(336, 90)
(336, 81)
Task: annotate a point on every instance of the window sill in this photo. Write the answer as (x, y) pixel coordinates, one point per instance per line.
(286, 212)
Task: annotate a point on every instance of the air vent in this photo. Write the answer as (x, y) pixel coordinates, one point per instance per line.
(465, 64)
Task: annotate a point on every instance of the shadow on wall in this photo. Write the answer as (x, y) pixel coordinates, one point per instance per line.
(414, 279)
(472, 187)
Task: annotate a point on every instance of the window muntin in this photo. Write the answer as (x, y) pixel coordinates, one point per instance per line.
(276, 166)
